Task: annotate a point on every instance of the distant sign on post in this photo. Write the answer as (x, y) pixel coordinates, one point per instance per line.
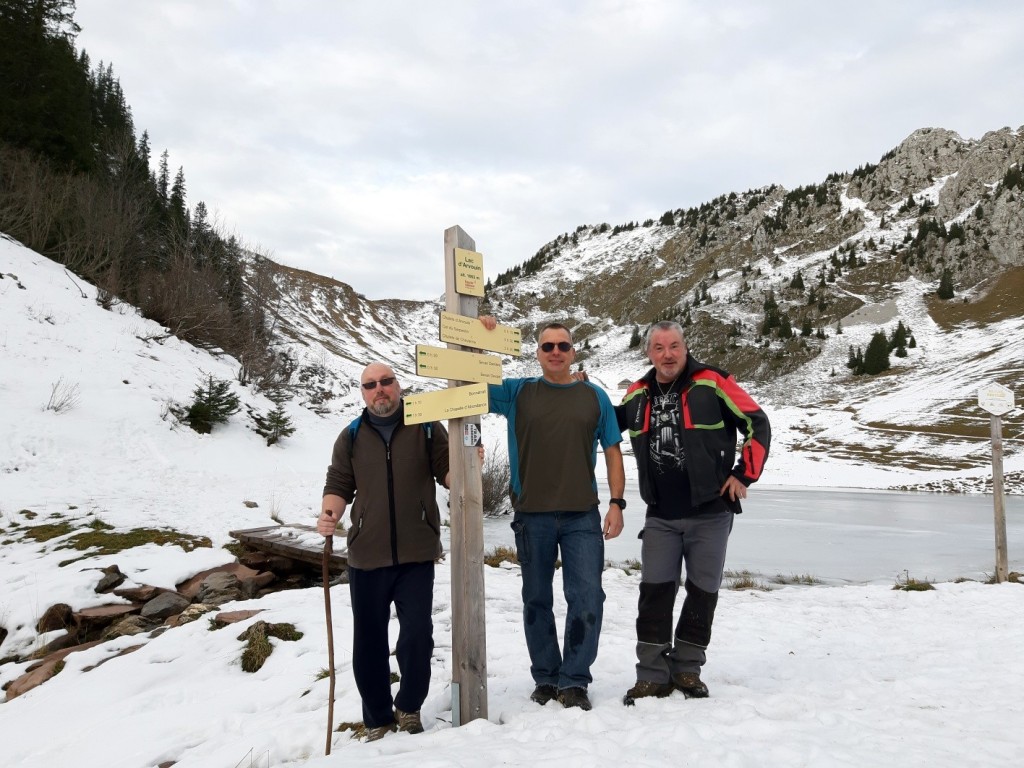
(469, 272)
(442, 363)
(996, 399)
(451, 403)
(470, 332)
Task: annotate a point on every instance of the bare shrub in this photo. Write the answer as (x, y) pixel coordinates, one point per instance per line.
(63, 396)
(497, 476)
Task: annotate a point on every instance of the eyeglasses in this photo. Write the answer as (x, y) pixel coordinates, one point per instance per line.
(549, 346)
(387, 381)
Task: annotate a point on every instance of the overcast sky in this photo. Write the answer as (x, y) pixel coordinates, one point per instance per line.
(345, 136)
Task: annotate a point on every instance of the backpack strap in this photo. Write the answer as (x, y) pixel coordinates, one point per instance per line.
(428, 431)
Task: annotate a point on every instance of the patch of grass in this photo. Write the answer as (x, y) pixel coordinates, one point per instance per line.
(358, 729)
(908, 583)
(632, 565)
(395, 678)
(257, 642)
(1013, 577)
(106, 542)
(58, 668)
(323, 674)
(284, 632)
(499, 555)
(236, 548)
(257, 647)
(28, 513)
(747, 581)
(1001, 300)
(802, 578)
(49, 531)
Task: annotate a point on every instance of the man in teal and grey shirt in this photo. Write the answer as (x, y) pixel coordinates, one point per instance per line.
(555, 424)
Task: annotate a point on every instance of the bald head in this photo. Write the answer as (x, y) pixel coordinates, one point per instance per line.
(384, 393)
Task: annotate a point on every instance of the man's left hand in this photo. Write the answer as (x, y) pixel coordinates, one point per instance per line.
(613, 522)
(733, 488)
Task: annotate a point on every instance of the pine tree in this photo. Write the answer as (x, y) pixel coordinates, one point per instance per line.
(797, 282)
(945, 291)
(634, 339)
(876, 357)
(213, 403)
(274, 425)
(899, 337)
(785, 327)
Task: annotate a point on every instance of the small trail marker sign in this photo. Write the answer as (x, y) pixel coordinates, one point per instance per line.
(996, 399)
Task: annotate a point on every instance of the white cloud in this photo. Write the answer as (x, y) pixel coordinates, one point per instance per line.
(347, 136)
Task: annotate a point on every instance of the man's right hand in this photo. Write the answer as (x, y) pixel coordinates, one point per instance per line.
(327, 523)
(489, 322)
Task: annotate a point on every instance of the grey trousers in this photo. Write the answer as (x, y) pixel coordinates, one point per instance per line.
(699, 543)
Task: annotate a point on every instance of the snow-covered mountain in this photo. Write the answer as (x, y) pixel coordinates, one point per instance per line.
(862, 251)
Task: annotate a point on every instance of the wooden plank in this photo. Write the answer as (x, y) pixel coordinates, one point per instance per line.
(274, 539)
(451, 403)
(468, 331)
(442, 363)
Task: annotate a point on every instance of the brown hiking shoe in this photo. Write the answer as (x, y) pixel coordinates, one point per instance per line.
(646, 688)
(574, 697)
(544, 693)
(690, 684)
(408, 722)
(374, 734)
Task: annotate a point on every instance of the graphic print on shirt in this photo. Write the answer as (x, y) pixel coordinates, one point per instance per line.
(666, 440)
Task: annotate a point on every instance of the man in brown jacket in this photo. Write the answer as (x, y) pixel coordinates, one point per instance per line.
(389, 469)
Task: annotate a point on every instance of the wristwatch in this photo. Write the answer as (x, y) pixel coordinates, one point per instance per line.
(620, 503)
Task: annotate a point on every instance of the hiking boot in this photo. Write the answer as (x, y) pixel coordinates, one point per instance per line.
(690, 684)
(646, 688)
(544, 693)
(408, 722)
(374, 734)
(574, 697)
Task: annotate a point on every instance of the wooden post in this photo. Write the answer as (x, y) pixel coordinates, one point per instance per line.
(469, 636)
(998, 500)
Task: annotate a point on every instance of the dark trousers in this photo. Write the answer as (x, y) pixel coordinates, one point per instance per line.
(698, 543)
(411, 588)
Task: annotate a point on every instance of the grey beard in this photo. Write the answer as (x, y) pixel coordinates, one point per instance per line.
(383, 408)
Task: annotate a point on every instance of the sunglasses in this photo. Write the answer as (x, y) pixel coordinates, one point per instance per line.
(549, 346)
(387, 381)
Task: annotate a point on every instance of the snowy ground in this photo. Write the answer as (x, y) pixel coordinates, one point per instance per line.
(799, 676)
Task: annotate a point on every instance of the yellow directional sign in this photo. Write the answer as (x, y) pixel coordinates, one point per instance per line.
(470, 332)
(469, 272)
(451, 403)
(444, 363)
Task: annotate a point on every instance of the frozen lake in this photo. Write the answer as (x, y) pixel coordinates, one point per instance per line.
(845, 536)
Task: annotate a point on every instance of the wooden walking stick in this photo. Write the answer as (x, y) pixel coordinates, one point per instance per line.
(328, 545)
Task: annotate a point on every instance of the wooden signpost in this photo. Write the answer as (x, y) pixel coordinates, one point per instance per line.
(997, 400)
(468, 375)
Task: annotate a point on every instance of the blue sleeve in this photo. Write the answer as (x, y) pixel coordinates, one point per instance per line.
(608, 431)
(501, 398)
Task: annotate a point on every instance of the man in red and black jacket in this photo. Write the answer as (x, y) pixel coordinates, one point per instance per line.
(683, 418)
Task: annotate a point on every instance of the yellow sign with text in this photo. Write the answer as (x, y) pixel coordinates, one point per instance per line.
(444, 363)
(451, 403)
(470, 332)
(469, 272)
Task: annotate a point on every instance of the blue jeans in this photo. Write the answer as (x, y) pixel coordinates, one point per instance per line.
(539, 537)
